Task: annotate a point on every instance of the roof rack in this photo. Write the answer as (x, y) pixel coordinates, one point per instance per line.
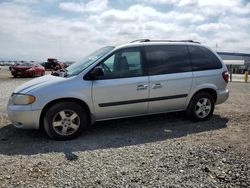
(148, 40)
(140, 40)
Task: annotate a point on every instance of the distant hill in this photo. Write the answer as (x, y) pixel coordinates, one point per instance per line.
(4, 59)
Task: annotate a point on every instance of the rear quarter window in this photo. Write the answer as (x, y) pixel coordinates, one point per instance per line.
(203, 59)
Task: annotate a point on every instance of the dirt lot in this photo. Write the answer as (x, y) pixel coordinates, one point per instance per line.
(155, 151)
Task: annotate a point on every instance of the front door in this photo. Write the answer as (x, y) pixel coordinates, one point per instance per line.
(123, 90)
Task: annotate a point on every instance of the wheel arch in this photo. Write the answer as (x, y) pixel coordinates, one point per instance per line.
(67, 99)
(211, 91)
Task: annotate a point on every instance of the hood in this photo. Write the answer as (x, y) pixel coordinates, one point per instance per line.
(37, 82)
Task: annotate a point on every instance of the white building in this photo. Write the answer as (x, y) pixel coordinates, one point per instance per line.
(236, 62)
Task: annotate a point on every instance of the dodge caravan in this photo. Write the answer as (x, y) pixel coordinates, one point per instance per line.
(139, 78)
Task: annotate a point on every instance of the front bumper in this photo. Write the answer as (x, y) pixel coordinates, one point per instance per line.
(23, 117)
(22, 73)
(222, 95)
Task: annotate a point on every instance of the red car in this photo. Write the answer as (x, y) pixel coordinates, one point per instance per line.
(27, 70)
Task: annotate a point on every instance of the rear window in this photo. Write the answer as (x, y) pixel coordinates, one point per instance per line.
(203, 59)
(166, 59)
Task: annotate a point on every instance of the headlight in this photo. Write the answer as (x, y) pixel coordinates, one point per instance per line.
(22, 99)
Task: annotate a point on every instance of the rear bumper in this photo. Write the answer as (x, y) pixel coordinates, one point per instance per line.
(222, 95)
(23, 117)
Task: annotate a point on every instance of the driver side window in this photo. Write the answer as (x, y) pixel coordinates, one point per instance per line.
(122, 64)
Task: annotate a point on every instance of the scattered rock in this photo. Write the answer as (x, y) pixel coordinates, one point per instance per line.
(4, 139)
(206, 169)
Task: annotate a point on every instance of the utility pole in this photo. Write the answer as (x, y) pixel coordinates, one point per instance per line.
(60, 47)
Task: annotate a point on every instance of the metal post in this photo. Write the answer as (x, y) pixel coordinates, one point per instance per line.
(231, 72)
(246, 76)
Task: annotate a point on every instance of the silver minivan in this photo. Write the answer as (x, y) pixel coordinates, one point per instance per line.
(139, 78)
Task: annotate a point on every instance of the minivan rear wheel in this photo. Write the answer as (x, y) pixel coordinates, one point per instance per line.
(65, 121)
(201, 106)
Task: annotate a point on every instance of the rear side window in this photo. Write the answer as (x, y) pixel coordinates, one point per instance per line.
(166, 59)
(203, 59)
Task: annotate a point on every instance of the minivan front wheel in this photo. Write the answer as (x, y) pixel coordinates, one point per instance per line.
(65, 121)
(201, 107)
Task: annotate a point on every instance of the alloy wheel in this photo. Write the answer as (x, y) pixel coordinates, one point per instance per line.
(203, 107)
(66, 122)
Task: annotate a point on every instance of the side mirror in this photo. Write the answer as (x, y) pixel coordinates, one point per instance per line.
(95, 73)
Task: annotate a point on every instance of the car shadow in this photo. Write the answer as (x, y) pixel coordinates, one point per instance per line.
(107, 134)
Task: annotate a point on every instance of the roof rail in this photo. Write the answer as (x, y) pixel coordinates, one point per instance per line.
(173, 41)
(140, 40)
(148, 40)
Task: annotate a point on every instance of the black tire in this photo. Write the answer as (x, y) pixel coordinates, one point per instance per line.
(15, 76)
(192, 110)
(52, 113)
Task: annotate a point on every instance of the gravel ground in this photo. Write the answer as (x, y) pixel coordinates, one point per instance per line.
(154, 151)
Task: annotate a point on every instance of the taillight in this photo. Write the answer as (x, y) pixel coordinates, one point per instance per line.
(225, 76)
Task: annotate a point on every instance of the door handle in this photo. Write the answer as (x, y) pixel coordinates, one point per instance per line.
(157, 85)
(142, 87)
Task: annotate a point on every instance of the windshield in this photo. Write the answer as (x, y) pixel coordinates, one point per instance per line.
(24, 64)
(78, 67)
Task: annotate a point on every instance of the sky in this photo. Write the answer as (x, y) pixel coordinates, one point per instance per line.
(70, 30)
